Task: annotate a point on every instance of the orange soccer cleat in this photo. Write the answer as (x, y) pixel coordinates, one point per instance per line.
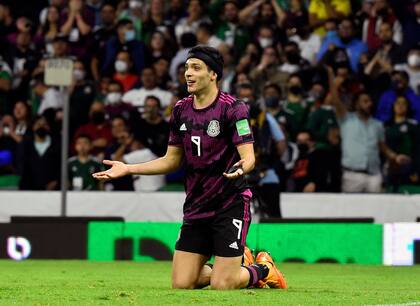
(275, 278)
(248, 257)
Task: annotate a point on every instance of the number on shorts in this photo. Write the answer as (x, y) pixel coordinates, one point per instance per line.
(238, 224)
(196, 150)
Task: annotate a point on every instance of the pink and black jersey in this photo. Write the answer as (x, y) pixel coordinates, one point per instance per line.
(209, 137)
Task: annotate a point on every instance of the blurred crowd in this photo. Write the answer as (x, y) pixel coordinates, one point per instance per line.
(332, 85)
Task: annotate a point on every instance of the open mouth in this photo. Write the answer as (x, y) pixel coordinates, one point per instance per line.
(189, 83)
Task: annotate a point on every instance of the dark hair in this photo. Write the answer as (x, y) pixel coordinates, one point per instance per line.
(154, 98)
(123, 22)
(86, 136)
(206, 27)
(209, 55)
(188, 40)
(309, 132)
(409, 113)
(116, 82)
(275, 86)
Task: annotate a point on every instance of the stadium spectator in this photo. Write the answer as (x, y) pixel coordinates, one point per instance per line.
(308, 43)
(195, 17)
(82, 166)
(132, 151)
(97, 129)
(123, 71)
(120, 132)
(159, 47)
(7, 22)
(115, 107)
(363, 138)
(39, 159)
(380, 13)
(82, 93)
(125, 40)
(267, 70)
(50, 97)
(403, 136)
(293, 62)
(101, 34)
(50, 28)
(22, 116)
(78, 21)
(161, 67)
(345, 39)
(315, 170)
(152, 130)
(229, 28)
(294, 19)
(408, 16)
(188, 40)
(400, 82)
(60, 46)
(205, 36)
(5, 87)
(136, 97)
(269, 145)
(154, 20)
(296, 105)
(412, 67)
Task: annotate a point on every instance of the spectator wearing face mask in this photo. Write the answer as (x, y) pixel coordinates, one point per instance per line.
(115, 107)
(293, 62)
(98, 129)
(400, 81)
(270, 143)
(39, 159)
(316, 169)
(123, 66)
(295, 107)
(124, 41)
(82, 93)
(412, 67)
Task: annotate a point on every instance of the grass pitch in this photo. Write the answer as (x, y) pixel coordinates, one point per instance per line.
(36, 282)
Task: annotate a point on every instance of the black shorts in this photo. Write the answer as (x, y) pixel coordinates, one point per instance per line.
(223, 235)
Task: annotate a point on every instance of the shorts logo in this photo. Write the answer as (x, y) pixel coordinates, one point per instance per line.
(234, 245)
(213, 129)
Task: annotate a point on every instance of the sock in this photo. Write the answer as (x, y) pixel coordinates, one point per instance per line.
(256, 273)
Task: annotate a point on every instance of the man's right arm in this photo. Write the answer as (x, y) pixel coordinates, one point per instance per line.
(170, 162)
(166, 164)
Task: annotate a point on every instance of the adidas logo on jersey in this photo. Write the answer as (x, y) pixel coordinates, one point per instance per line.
(183, 127)
(234, 245)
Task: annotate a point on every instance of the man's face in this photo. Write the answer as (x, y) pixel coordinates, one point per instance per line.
(83, 146)
(246, 94)
(385, 32)
(148, 78)
(117, 127)
(151, 108)
(231, 12)
(197, 75)
(108, 15)
(399, 82)
(364, 105)
(345, 30)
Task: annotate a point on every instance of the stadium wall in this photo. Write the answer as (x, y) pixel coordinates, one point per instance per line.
(311, 243)
(167, 206)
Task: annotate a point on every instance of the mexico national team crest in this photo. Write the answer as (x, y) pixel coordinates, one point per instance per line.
(213, 129)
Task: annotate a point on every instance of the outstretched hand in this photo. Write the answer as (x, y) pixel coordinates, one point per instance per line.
(236, 170)
(118, 169)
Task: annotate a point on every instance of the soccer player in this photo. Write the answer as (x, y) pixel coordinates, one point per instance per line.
(210, 131)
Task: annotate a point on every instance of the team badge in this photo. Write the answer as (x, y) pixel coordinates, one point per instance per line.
(213, 129)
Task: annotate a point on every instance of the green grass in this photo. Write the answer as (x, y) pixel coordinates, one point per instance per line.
(36, 282)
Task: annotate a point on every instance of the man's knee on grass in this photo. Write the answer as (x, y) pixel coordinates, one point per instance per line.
(224, 283)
